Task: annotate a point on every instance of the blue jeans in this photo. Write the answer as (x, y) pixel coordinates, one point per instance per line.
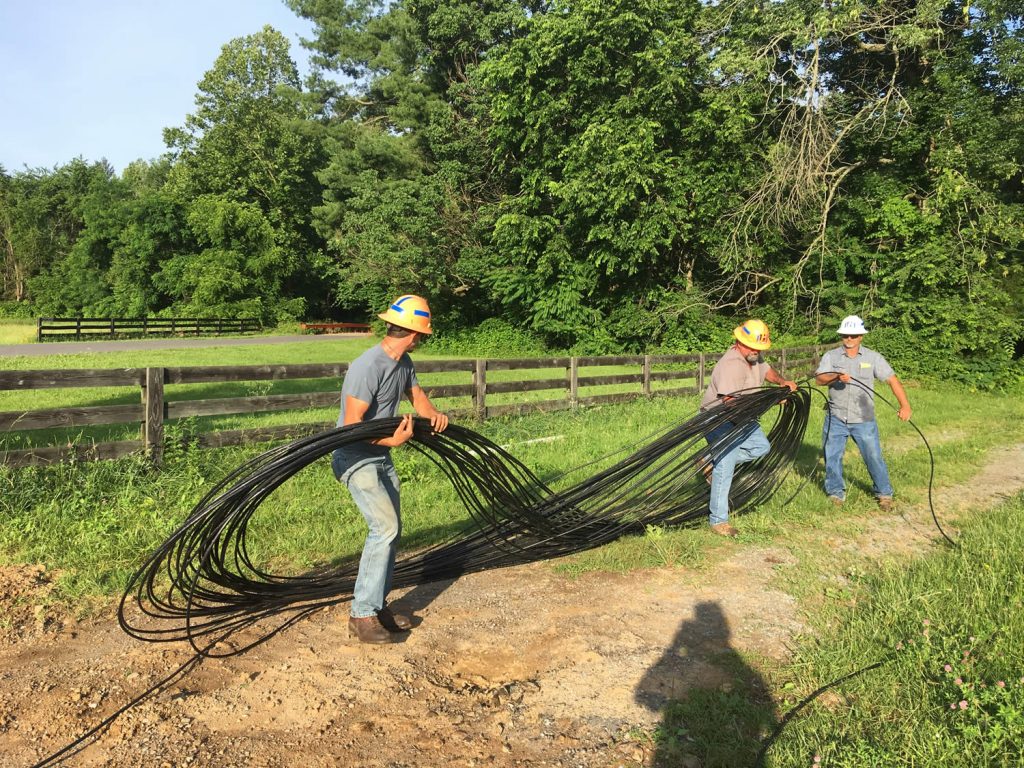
(374, 487)
(865, 435)
(750, 444)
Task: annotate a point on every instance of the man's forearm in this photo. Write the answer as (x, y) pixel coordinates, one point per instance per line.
(897, 389)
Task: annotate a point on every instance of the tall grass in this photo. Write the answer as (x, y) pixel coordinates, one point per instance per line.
(958, 607)
(96, 521)
(15, 331)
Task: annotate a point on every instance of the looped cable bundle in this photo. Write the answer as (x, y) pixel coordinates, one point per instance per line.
(201, 585)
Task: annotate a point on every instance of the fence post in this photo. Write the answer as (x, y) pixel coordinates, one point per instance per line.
(39, 329)
(700, 372)
(574, 382)
(782, 363)
(480, 391)
(153, 427)
(78, 327)
(647, 375)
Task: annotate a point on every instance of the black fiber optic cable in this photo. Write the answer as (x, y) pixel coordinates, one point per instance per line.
(200, 585)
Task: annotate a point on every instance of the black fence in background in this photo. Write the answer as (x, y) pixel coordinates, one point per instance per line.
(79, 327)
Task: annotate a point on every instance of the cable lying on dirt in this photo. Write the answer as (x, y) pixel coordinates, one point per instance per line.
(202, 586)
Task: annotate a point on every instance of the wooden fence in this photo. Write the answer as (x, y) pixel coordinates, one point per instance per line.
(79, 327)
(653, 377)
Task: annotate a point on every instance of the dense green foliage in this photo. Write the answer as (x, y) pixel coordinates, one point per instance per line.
(606, 176)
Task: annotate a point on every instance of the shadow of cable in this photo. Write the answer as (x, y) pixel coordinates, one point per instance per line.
(715, 708)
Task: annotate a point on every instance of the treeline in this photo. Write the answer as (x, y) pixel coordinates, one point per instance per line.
(603, 174)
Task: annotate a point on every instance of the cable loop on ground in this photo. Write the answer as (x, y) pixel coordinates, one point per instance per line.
(202, 586)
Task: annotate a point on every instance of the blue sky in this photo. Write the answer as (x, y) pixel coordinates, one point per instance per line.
(104, 78)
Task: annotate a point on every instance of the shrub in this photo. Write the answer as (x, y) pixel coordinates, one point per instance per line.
(494, 337)
(19, 310)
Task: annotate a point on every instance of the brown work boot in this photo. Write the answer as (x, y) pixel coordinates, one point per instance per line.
(836, 501)
(885, 503)
(369, 630)
(724, 529)
(394, 622)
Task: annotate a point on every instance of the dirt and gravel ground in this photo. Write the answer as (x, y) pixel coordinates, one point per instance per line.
(518, 667)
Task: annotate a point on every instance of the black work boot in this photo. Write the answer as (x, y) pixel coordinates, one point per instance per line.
(369, 630)
(394, 622)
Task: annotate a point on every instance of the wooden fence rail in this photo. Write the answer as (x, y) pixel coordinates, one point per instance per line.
(78, 327)
(654, 376)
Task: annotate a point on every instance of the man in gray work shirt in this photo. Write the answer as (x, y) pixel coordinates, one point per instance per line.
(374, 385)
(849, 372)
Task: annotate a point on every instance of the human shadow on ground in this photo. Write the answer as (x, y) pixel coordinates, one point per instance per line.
(715, 708)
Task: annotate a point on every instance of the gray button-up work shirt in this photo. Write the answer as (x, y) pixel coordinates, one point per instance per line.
(849, 402)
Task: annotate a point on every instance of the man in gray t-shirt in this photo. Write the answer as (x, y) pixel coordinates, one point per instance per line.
(374, 385)
(850, 372)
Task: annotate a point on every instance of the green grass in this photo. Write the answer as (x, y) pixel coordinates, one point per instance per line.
(94, 521)
(860, 607)
(257, 354)
(17, 331)
(950, 627)
(311, 519)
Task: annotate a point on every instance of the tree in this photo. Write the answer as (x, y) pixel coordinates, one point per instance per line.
(43, 217)
(410, 172)
(253, 144)
(621, 157)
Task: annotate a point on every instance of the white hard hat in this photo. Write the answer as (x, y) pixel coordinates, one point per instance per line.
(851, 326)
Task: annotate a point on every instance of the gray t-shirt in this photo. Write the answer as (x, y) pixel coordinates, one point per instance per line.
(850, 402)
(732, 373)
(375, 378)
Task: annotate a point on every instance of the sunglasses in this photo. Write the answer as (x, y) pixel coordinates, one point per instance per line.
(851, 335)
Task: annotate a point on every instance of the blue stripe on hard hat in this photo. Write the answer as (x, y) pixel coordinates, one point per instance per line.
(421, 313)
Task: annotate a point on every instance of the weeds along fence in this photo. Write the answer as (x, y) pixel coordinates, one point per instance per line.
(80, 327)
(157, 407)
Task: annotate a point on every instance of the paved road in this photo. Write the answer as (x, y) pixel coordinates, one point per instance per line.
(79, 347)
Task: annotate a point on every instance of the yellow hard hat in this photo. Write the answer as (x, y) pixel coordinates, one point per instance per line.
(410, 312)
(753, 334)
